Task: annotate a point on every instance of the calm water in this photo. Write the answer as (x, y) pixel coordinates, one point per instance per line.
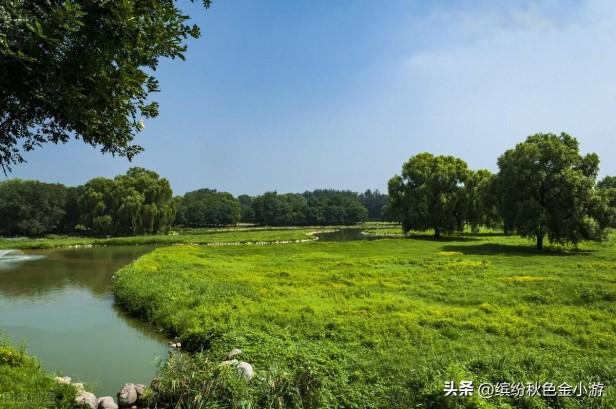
(61, 306)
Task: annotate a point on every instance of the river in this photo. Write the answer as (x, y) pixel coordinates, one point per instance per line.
(60, 305)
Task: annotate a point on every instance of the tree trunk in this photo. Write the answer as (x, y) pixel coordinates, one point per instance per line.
(437, 233)
(539, 241)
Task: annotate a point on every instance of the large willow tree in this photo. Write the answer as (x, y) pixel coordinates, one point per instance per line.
(548, 189)
(140, 202)
(430, 194)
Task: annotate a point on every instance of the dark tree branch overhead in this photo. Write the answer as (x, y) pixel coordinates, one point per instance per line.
(82, 70)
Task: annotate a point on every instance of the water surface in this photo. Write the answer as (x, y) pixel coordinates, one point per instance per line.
(59, 303)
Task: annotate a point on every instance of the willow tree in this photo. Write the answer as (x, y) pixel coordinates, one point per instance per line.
(140, 202)
(547, 189)
(430, 194)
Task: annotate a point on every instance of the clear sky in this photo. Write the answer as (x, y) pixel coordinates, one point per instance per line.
(296, 95)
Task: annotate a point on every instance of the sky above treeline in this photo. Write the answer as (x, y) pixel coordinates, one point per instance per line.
(293, 96)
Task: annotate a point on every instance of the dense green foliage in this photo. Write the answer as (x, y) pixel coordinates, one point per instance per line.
(23, 384)
(608, 182)
(280, 210)
(547, 188)
(319, 207)
(82, 70)
(544, 188)
(430, 194)
(380, 323)
(376, 204)
(207, 207)
(32, 208)
(603, 205)
(139, 202)
(247, 213)
(333, 207)
(481, 198)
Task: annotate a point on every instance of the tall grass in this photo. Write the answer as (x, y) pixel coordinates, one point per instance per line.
(380, 324)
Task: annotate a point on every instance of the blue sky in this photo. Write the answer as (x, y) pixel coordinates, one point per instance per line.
(297, 95)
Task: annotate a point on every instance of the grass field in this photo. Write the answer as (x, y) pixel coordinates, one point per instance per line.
(380, 323)
(184, 236)
(23, 384)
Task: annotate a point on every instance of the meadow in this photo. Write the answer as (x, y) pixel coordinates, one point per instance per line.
(383, 323)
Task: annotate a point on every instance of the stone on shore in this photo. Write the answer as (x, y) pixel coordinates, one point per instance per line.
(86, 399)
(235, 352)
(140, 389)
(127, 396)
(106, 402)
(64, 379)
(244, 369)
(79, 386)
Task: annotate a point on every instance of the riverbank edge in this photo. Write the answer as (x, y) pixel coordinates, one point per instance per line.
(24, 382)
(163, 240)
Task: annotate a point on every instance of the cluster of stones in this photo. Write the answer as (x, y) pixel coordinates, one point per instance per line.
(129, 396)
(244, 369)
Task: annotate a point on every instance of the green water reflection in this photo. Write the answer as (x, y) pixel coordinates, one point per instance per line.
(62, 308)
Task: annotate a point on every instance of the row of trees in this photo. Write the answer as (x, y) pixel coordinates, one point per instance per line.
(208, 207)
(33, 208)
(544, 188)
(139, 202)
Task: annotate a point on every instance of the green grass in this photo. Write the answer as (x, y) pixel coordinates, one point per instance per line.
(380, 323)
(23, 384)
(184, 236)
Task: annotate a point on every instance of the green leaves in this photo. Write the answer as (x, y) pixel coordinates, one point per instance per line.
(430, 193)
(206, 207)
(75, 70)
(546, 188)
(139, 202)
(32, 208)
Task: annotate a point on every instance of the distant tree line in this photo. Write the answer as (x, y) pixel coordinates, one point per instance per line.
(544, 189)
(141, 202)
(207, 207)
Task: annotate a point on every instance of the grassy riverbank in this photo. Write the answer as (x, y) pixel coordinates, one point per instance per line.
(382, 323)
(23, 384)
(186, 236)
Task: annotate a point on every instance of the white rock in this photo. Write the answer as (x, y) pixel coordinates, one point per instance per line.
(140, 389)
(244, 369)
(79, 386)
(107, 402)
(63, 379)
(86, 399)
(229, 362)
(127, 395)
(235, 352)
